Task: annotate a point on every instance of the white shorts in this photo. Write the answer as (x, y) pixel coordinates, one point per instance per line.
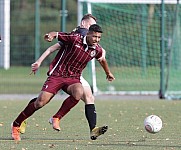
(83, 81)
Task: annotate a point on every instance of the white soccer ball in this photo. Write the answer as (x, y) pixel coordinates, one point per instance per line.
(153, 124)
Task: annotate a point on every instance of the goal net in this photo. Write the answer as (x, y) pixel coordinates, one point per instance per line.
(143, 58)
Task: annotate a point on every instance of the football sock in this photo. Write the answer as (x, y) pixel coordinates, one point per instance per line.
(27, 112)
(68, 104)
(91, 115)
(33, 100)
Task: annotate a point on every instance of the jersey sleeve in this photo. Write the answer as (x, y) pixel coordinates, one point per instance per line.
(99, 52)
(60, 43)
(66, 38)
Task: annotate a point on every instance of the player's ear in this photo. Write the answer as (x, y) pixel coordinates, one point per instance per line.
(84, 24)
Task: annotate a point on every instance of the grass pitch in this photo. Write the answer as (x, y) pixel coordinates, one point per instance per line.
(124, 118)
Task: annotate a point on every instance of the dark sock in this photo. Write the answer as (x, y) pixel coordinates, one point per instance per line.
(68, 104)
(91, 115)
(33, 100)
(27, 112)
(22, 115)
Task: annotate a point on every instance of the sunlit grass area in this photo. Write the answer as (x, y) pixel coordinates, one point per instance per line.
(17, 80)
(124, 118)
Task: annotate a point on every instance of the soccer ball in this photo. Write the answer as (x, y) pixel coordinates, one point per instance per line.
(153, 124)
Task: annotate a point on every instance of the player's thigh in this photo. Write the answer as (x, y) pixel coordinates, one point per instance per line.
(76, 90)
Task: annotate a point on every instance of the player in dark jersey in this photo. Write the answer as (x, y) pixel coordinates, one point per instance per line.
(66, 74)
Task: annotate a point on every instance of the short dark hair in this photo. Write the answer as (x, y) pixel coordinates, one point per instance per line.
(95, 28)
(88, 16)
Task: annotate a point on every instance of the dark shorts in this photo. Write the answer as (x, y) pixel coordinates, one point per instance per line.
(55, 83)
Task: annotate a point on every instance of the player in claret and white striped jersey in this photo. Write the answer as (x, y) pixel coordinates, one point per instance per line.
(89, 108)
(66, 73)
(87, 97)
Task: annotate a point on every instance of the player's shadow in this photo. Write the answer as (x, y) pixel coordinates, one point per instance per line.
(135, 144)
(5, 139)
(119, 144)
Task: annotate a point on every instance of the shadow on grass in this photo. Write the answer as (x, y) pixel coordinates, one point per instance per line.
(99, 143)
(136, 144)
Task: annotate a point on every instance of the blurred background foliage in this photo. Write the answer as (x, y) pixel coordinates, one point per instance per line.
(132, 39)
(22, 32)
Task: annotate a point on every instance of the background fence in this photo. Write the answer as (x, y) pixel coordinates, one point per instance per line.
(132, 39)
(142, 39)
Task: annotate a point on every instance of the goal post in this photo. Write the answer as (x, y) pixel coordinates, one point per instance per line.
(141, 43)
(5, 34)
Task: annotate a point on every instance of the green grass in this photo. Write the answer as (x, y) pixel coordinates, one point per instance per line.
(125, 120)
(17, 80)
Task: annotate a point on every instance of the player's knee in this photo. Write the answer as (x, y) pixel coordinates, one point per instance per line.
(39, 103)
(78, 93)
(76, 90)
(43, 99)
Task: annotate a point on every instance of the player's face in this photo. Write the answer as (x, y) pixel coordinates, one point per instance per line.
(93, 38)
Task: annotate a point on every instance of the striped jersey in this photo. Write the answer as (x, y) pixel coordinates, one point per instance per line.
(73, 56)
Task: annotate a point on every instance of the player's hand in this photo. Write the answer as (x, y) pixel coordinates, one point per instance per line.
(110, 77)
(50, 36)
(34, 68)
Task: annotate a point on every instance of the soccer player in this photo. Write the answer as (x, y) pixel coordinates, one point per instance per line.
(64, 73)
(87, 97)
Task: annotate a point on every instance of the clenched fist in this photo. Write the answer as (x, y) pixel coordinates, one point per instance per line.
(50, 36)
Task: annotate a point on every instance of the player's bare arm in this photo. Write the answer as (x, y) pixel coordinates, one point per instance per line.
(51, 49)
(109, 75)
